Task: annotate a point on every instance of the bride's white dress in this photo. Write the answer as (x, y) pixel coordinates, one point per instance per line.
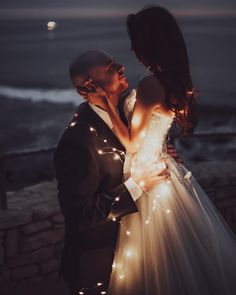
(177, 243)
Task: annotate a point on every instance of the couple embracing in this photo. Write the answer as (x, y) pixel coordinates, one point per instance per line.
(137, 222)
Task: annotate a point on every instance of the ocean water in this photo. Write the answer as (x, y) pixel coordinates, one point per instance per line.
(34, 66)
(34, 61)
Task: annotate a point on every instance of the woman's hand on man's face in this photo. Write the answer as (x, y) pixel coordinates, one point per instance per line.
(94, 95)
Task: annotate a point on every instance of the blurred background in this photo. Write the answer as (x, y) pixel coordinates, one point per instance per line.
(37, 99)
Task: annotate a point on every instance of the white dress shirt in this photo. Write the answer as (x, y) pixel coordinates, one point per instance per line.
(134, 190)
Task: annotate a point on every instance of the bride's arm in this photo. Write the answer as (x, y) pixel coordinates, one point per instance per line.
(131, 137)
(147, 100)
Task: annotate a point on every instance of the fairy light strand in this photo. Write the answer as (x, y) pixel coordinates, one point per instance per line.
(97, 286)
(120, 155)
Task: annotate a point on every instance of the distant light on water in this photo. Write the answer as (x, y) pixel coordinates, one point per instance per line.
(51, 26)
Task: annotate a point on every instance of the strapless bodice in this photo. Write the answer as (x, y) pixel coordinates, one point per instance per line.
(154, 143)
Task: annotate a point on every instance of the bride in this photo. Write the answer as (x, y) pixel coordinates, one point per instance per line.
(177, 244)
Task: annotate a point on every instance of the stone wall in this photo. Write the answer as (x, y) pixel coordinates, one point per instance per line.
(32, 230)
(31, 236)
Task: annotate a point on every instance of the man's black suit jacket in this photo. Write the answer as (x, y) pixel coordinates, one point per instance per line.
(88, 185)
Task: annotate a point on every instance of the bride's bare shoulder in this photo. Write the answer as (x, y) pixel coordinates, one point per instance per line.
(150, 90)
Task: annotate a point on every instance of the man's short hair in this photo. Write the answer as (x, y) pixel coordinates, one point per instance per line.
(82, 63)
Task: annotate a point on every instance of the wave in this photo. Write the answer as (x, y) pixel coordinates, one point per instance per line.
(53, 95)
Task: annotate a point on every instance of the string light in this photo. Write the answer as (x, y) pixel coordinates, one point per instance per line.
(98, 285)
(188, 175)
(143, 161)
(72, 124)
(117, 154)
(116, 157)
(135, 121)
(129, 253)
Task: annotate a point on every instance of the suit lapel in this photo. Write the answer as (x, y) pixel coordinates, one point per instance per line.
(103, 131)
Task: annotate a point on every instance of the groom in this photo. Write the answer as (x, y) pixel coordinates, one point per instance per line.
(89, 168)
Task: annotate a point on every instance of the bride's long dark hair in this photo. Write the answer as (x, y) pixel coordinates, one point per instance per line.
(159, 44)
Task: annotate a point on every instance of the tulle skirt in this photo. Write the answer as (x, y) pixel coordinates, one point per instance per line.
(176, 244)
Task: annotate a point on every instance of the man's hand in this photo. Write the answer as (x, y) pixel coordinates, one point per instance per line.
(172, 152)
(147, 177)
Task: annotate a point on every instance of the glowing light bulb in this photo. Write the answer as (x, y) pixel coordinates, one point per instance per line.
(168, 211)
(113, 219)
(99, 284)
(128, 253)
(128, 233)
(116, 157)
(100, 152)
(103, 292)
(72, 124)
(91, 129)
(81, 293)
(113, 149)
(136, 120)
(117, 199)
(51, 25)
(105, 140)
(189, 92)
(148, 220)
(188, 175)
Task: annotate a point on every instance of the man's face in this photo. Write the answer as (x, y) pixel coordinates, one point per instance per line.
(110, 76)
